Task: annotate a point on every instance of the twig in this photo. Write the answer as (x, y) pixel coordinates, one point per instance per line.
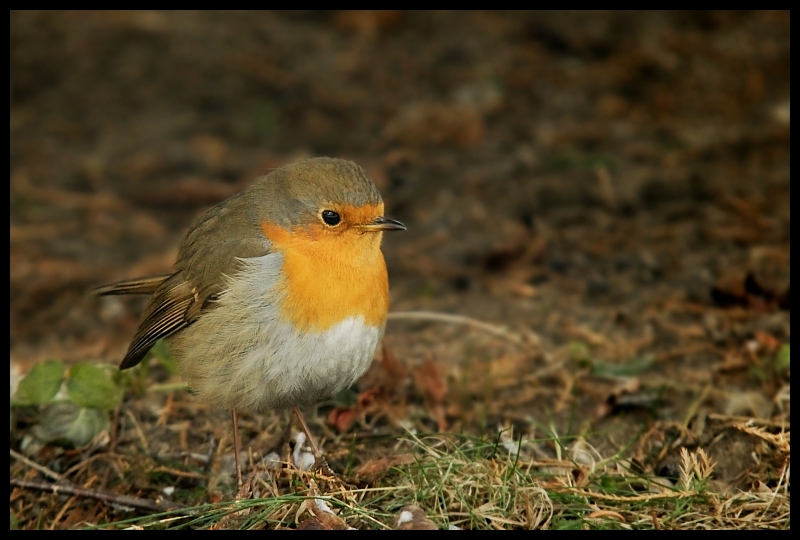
(99, 494)
(32, 464)
(499, 331)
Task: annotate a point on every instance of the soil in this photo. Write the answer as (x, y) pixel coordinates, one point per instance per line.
(607, 192)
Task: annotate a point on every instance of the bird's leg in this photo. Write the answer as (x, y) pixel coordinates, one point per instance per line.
(319, 460)
(309, 438)
(237, 447)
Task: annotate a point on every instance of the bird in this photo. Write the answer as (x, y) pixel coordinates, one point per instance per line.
(279, 295)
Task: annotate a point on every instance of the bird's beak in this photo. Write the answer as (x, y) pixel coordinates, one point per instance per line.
(383, 224)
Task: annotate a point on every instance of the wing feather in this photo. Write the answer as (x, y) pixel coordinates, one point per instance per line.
(165, 315)
(208, 254)
(132, 286)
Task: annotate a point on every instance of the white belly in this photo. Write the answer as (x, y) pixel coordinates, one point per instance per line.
(241, 355)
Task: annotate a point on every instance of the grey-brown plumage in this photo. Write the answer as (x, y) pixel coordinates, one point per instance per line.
(229, 232)
(279, 294)
(197, 278)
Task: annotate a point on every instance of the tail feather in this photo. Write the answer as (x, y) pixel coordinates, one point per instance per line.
(131, 286)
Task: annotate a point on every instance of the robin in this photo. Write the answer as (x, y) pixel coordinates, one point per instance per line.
(279, 295)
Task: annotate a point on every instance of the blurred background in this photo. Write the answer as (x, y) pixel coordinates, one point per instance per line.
(609, 190)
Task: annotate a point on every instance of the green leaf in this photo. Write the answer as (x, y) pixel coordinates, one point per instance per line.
(42, 384)
(69, 425)
(91, 386)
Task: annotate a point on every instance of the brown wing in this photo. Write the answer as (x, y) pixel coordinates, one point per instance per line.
(210, 252)
(131, 286)
(165, 314)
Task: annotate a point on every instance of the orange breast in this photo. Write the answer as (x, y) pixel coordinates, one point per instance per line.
(329, 278)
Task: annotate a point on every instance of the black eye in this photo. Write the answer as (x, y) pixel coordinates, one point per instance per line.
(331, 218)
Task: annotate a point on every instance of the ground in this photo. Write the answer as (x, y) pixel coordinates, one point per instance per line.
(591, 301)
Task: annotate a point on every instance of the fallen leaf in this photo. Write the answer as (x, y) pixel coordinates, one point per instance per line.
(41, 385)
(374, 468)
(322, 517)
(341, 418)
(385, 393)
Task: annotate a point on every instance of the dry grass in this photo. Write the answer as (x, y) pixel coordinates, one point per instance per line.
(165, 463)
(464, 482)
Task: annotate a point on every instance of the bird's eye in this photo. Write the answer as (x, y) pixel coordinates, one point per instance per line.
(331, 218)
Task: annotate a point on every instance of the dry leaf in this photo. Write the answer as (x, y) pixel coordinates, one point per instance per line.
(343, 417)
(322, 517)
(374, 468)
